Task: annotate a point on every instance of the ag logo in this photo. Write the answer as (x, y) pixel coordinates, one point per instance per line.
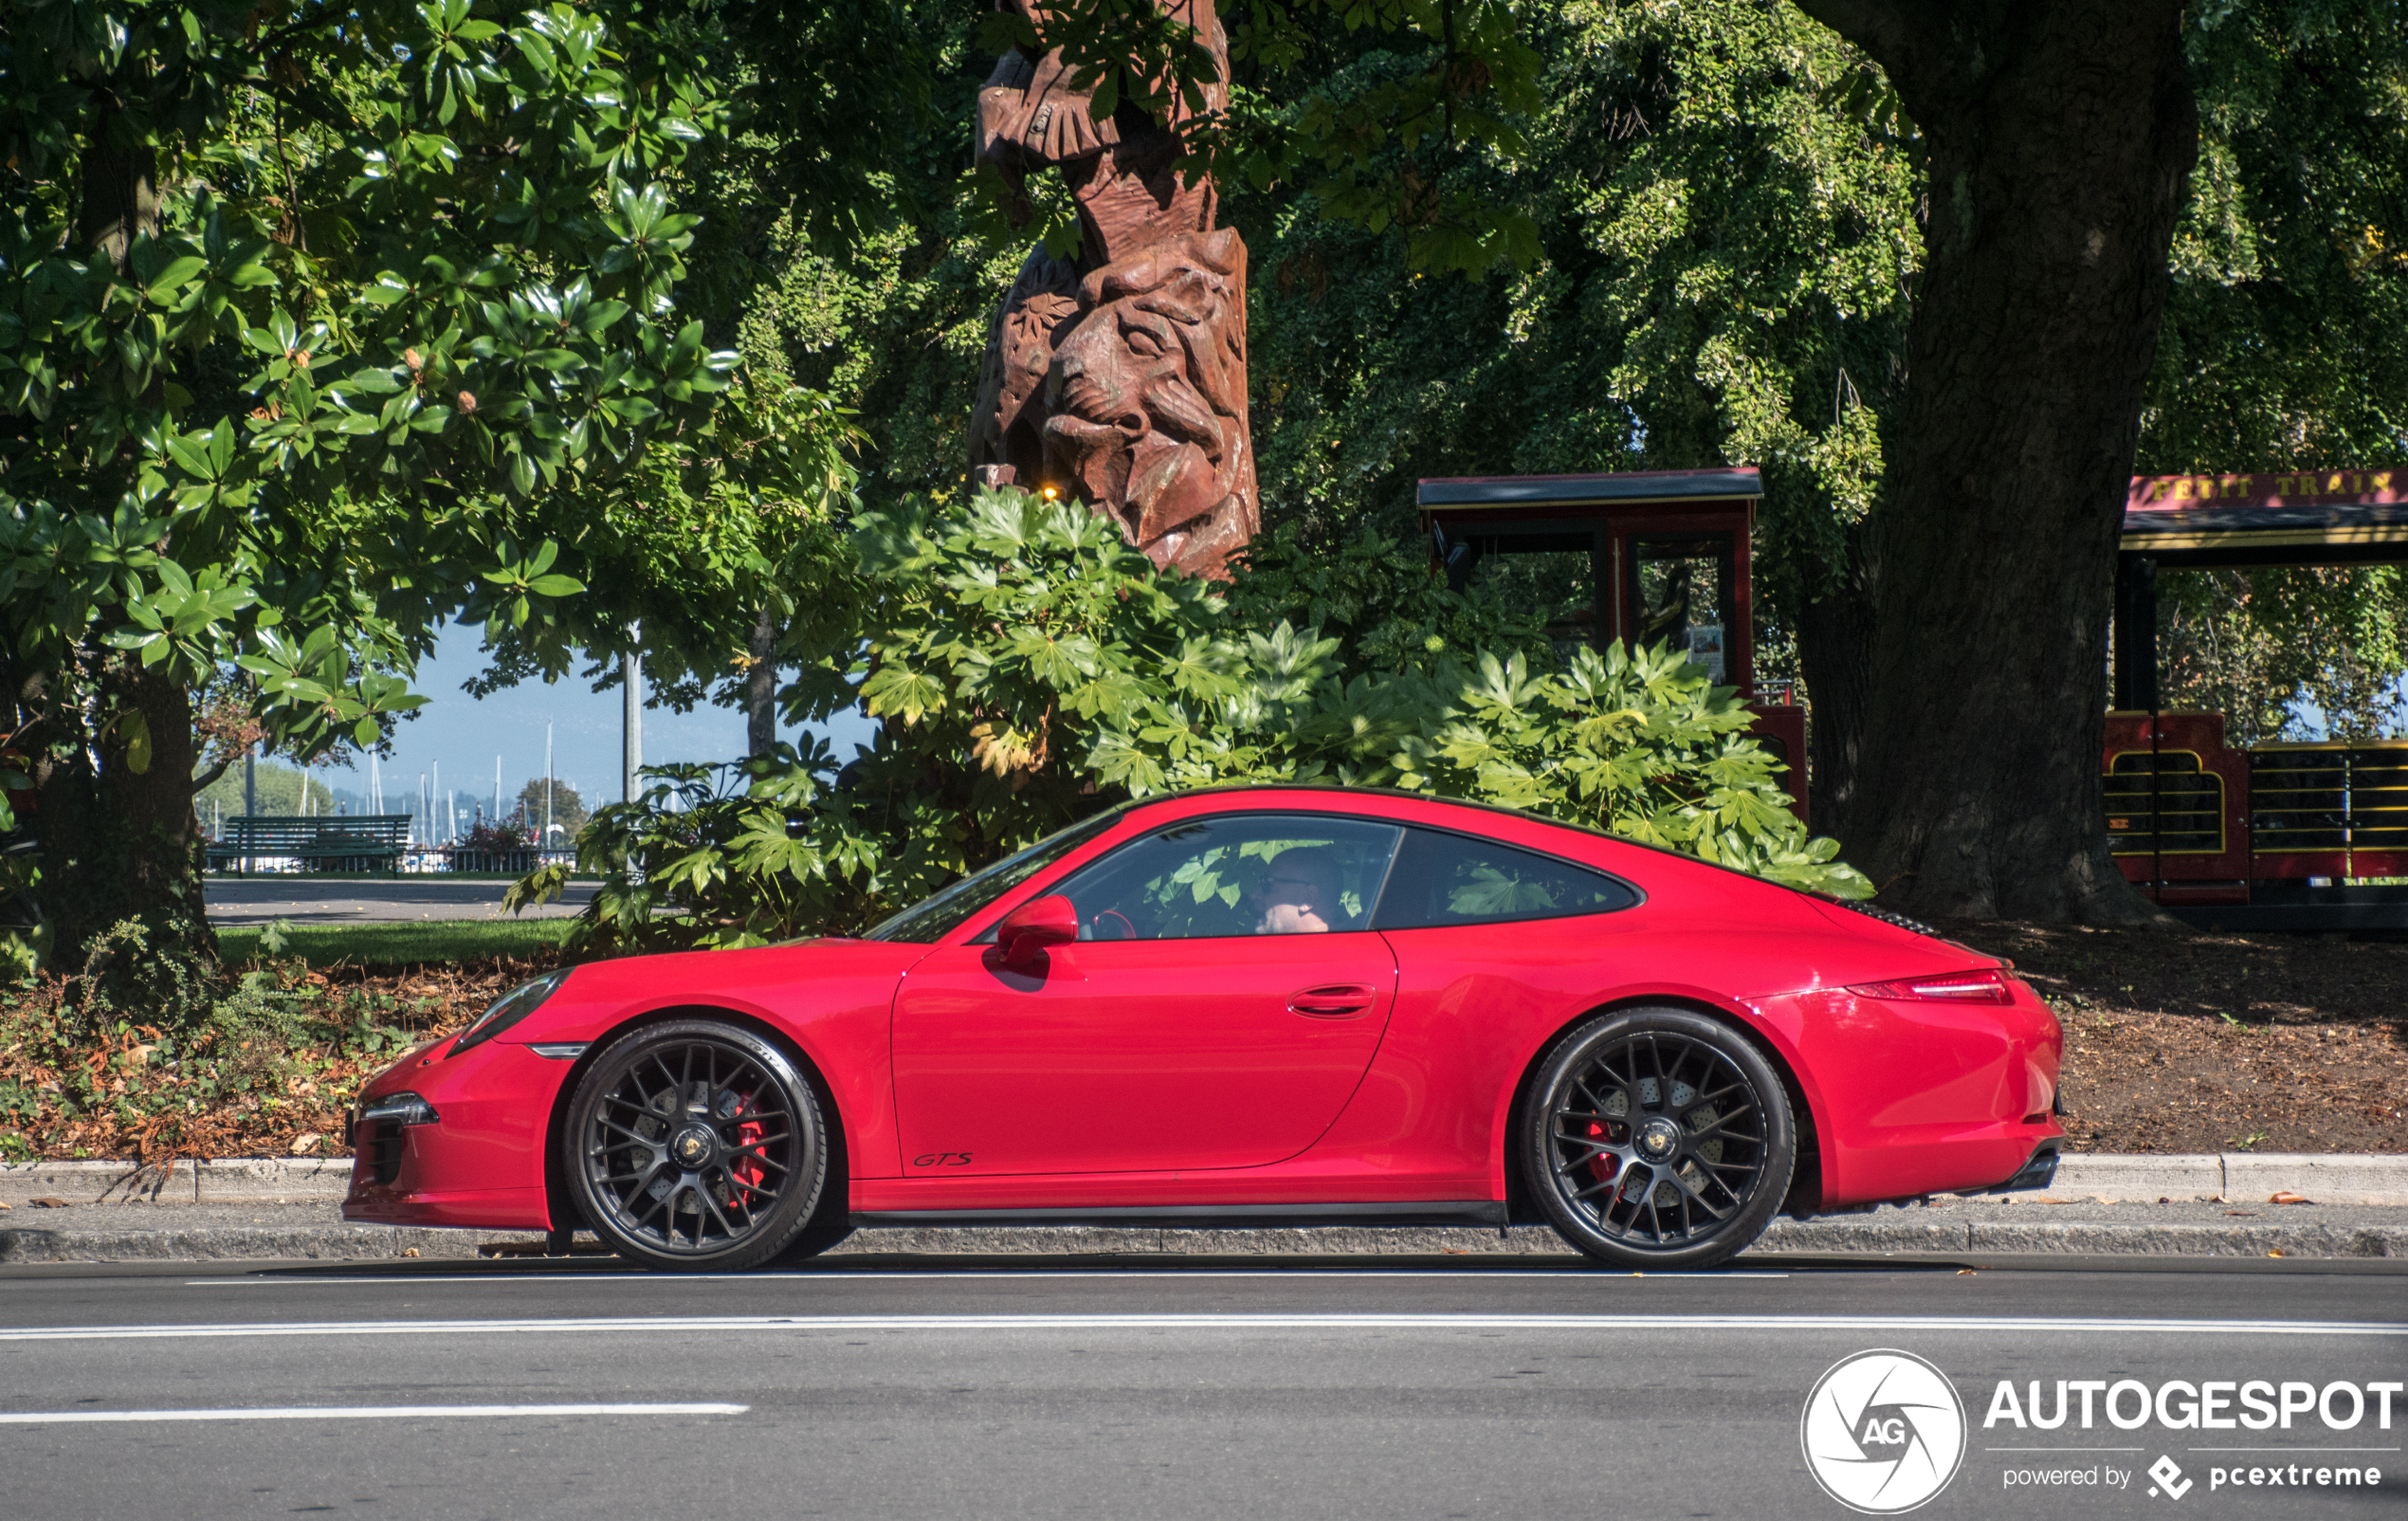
(1883, 1432)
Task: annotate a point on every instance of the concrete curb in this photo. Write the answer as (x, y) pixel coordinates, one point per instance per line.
(233, 1180)
(2363, 1178)
(1879, 1235)
(240, 1243)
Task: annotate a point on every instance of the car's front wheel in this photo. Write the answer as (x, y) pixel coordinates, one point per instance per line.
(695, 1145)
(1658, 1138)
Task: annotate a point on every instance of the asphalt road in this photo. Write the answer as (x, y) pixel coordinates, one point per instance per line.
(242, 903)
(976, 1387)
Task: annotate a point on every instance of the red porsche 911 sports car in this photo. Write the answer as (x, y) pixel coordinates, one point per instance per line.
(1245, 1006)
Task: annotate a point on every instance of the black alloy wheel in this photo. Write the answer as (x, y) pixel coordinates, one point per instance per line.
(695, 1145)
(1658, 1138)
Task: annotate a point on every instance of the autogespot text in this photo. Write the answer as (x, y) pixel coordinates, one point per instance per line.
(2182, 1404)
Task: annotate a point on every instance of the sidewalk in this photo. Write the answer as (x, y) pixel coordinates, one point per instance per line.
(2106, 1207)
(246, 903)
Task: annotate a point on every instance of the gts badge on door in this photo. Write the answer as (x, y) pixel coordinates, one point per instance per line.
(942, 1158)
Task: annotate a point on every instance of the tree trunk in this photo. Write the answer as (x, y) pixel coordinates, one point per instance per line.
(121, 844)
(2060, 134)
(1834, 652)
(760, 688)
(120, 195)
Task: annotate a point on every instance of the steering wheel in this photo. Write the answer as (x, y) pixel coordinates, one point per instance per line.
(1112, 924)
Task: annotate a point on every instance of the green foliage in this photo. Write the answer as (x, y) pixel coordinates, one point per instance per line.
(2286, 337)
(1029, 667)
(709, 530)
(313, 333)
(2285, 347)
(568, 810)
(1379, 599)
(1390, 144)
(1726, 252)
(2296, 653)
(279, 790)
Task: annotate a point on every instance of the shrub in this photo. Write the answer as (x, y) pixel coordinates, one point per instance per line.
(1027, 667)
(272, 1062)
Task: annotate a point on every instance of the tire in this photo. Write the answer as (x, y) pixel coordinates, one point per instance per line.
(1658, 1138)
(695, 1145)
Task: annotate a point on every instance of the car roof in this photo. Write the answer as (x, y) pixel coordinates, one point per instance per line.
(1343, 789)
(1340, 788)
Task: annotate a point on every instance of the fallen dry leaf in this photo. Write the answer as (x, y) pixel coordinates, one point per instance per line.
(48, 1204)
(7, 1206)
(2242, 1214)
(2274, 1252)
(306, 1143)
(1964, 1272)
(2286, 1196)
(409, 1251)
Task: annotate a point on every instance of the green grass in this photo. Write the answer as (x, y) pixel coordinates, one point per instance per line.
(438, 939)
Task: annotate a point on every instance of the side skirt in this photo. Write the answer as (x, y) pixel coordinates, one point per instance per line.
(1485, 1213)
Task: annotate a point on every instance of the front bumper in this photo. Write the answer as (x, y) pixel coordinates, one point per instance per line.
(480, 1164)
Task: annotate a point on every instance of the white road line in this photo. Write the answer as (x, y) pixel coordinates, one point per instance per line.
(967, 1276)
(705, 1325)
(362, 1412)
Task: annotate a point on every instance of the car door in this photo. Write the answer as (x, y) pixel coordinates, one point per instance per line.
(1493, 943)
(1179, 1032)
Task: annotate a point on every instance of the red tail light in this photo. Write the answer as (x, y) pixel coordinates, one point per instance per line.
(1988, 985)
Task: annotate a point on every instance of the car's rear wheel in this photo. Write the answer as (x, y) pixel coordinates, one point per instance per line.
(695, 1145)
(1658, 1138)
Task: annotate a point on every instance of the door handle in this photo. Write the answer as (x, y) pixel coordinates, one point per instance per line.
(1333, 1001)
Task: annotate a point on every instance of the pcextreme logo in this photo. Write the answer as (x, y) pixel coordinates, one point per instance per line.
(1883, 1432)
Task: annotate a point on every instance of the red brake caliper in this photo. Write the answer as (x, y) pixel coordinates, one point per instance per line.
(1602, 1166)
(745, 1172)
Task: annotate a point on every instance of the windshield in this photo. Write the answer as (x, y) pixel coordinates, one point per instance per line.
(931, 918)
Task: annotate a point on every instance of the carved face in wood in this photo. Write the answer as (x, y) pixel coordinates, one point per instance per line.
(1147, 399)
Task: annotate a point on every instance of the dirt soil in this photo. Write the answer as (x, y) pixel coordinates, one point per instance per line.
(2185, 1041)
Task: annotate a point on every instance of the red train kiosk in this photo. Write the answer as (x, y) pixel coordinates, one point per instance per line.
(1668, 559)
(2265, 836)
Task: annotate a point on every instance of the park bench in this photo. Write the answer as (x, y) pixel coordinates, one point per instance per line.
(364, 842)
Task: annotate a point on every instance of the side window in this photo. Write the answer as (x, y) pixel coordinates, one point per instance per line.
(1450, 879)
(1236, 874)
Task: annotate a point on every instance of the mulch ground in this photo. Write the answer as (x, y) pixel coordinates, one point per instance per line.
(238, 1093)
(2184, 1041)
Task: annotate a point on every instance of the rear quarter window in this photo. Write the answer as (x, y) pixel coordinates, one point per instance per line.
(1443, 879)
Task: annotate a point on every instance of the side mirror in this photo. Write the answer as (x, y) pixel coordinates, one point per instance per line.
(1025, 932)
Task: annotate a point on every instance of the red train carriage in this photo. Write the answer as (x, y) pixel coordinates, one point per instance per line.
(2263, 837)
(2269, 835)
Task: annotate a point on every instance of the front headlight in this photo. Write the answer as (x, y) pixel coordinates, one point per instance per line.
(508, 1010)
(404, 1108)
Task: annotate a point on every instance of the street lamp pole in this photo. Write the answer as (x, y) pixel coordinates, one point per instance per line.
(631, 729)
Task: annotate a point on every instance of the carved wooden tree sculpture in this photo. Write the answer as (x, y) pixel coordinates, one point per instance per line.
(1119, 378)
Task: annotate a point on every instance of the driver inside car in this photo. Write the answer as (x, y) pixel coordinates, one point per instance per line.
(1298, 896)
